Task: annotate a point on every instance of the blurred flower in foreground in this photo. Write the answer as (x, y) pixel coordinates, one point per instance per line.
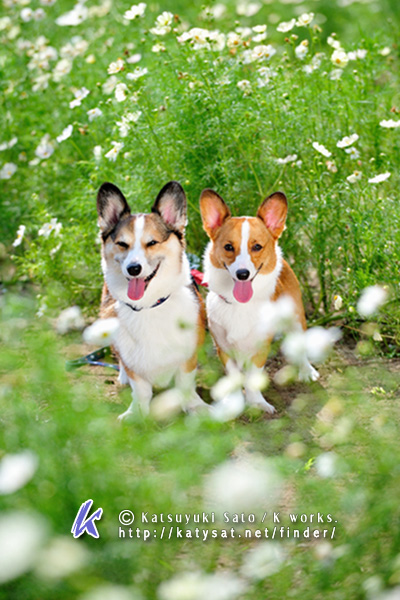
(20, 236)
(109, 591)
(305, 19)
(339, 58)
(102, 332)
(137, 10)
(263, 560)
(74, 17)
(326, 464)
(245, 484)
(163, 24)
(66, 133)
(372, 298)
(21, 536)
(60, 558)
(16, 470)
(356, 176)
(198, 586)
(70, 319)
(286, 26)
(79, 96)
(348, 140)
(313, 344)
(379, 178)
(8, 170)
(321, 149)
(279, 317)
(390, 124)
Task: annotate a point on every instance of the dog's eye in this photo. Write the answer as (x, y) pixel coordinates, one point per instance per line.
(152, 243)
(228, 247)
(257, 247)
(122, 245)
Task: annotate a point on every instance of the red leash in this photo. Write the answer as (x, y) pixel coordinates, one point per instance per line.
(198, 277)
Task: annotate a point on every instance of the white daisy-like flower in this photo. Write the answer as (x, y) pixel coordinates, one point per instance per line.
(115, 67)
(157, 48)
(348, 140)
(102, 332)
(70, 319)
(305, 19)
(339, 58)
(288, 159)
(135, 58)
(120, 92)
(79, 96)
(97, 152)
(47, 229)
(137, 73)
(67, 132)
(263, 52)
(244, 86)
(247, 9)
(26, 15)
(301, 50)
(334, 43)
(371, 300)
(62, 68)
(45, 148)
(357, 54)
(390, 123)
(16, 470)
(286, 26)
(337, 302)
(233, 39)
(354, 177)
(379, 178)
(385, 51)
(20, 236)
(313, 344)
(321, 149)
(94, 113)
(135, 11)
(163, 23)
(74, 17)
(352, 152)
(8, 145)
(8, 170)
(39, 14)
(109, 86)
(115, 150)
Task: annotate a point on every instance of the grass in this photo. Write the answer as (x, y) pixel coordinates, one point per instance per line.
(334, 446)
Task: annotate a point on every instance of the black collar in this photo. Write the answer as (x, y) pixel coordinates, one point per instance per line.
(138, 309)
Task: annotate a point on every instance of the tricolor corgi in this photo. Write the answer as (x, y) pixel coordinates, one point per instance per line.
(245, 270)
(149, 288)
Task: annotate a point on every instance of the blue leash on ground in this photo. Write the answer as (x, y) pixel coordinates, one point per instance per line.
(94, 358)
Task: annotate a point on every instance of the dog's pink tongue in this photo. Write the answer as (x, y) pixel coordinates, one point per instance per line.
(136, 288)
(243, 291)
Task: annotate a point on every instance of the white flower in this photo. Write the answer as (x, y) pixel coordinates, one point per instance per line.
(337, 302)
(334, 43)
(379, 178)
(47, 229)
(360, 53)
(263, 560)
(62, 68)
(60, 558)
(7, 145)
(390, 124)
(336, 74)
(39, 14)
(339, 58)
(348, 140)
(288, 159)
(261, 52)
(21, 537)
(137, 73)
(330, 165)
(26, 14)
(135, 58)
(16, 470)
(301, 50)
(20, 236)
(163, 23)
(198, 586)
(286, 26)
(70, 319)
(326, 464)
(102, 332)
(159, 47)
(313, 344)
(94, 113)
(217, 40)
(278, 317)
(45, 148)
(226, 385)
(7, 170)
(79, 96)
(137, 10)
(97, 151)
(260, 28)
(229, 407)
(356, 176)
(115, 67)
(385, 51)
(321, 149)
(247, 9)
(233, 39)
(352, 152)
(242, 485)
(115, 150)
(167, 405)
(244, 86)
(74, 17)
(372, 298)
(305, 19)
(120, 92)
(109, 86)
(67, 132)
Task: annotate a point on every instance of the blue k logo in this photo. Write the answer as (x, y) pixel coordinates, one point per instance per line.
(84, 523)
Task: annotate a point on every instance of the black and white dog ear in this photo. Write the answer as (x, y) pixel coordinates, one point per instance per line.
(171, 205)
(111, 206)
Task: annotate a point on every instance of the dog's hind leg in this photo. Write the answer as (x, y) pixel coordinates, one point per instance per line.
(123, 378)
(142, 393)
(186, 383)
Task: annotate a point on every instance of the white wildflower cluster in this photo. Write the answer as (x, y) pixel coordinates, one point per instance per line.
(371, 300)
(135, 11)
(163, 24)
(102, 332)
(48, 228)
(70, 319)
(313, 345)
(74, 17)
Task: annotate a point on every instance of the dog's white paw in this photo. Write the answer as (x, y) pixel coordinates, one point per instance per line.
(256, 399)
(123, 378)
(307, 373)
(125, 416)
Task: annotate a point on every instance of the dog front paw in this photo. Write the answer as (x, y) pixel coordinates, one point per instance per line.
(308, 373)
(256, 399)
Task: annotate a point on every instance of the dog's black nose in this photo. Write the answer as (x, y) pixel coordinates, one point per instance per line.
(134, 269)
(242, 274)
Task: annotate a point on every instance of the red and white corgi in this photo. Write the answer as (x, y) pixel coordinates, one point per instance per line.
(148, 287)
(245, 271)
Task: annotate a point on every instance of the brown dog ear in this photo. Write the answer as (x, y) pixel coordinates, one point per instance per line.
(273, 212)
(171, 204)
(213, 210)
(111, 206)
